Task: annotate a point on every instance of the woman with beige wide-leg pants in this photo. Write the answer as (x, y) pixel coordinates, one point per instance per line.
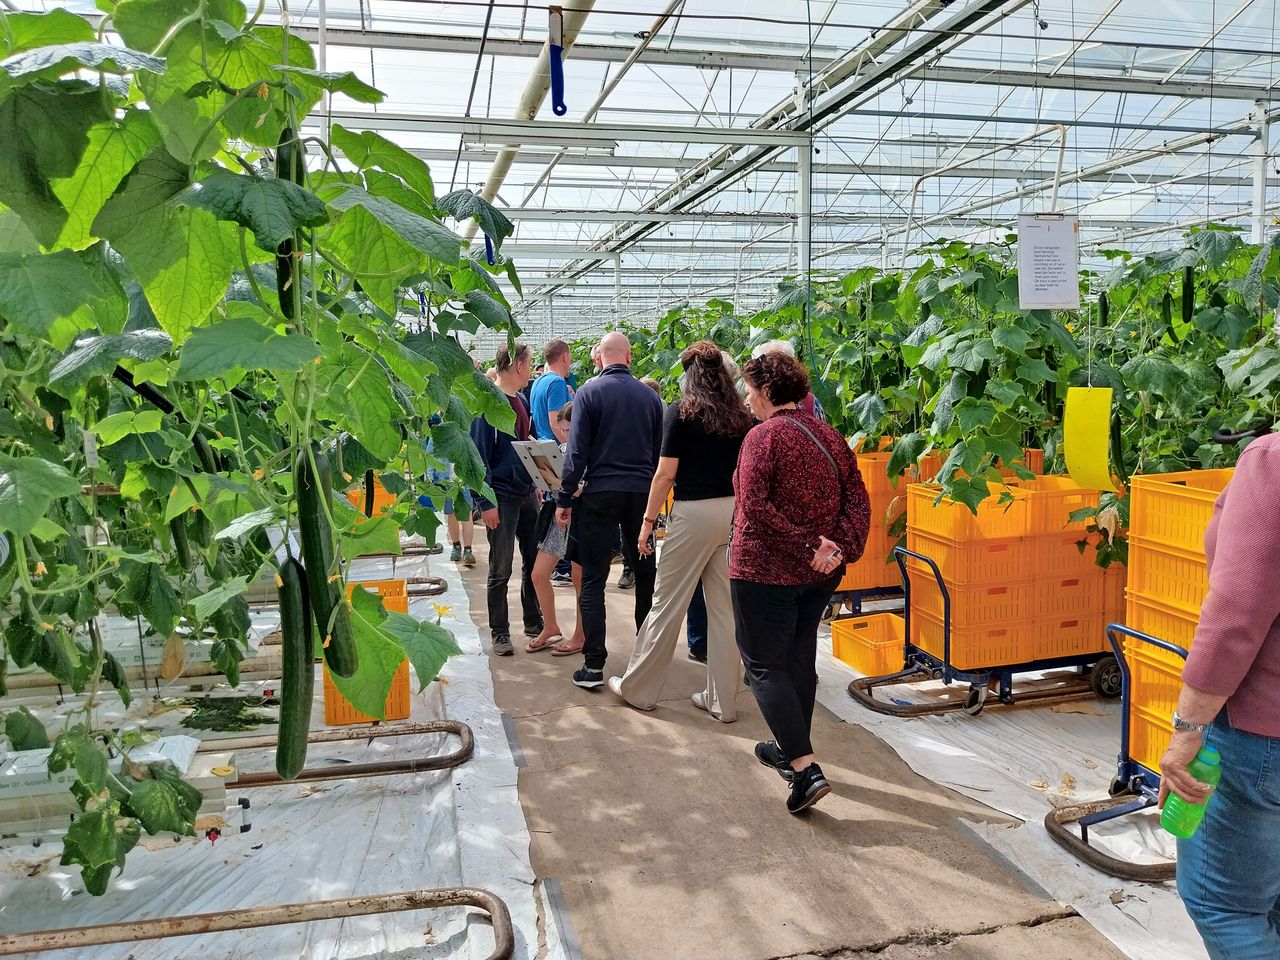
(701, 435)
(695, 548)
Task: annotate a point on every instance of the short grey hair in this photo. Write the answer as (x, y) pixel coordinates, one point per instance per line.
(773, 346)
(730, 364)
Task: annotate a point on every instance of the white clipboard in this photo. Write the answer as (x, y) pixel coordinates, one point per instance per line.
(544, 461)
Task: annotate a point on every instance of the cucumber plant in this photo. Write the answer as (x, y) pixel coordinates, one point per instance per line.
(212, 323)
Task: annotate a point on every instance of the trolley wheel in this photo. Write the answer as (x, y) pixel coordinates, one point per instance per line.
(976, 700)
(936, 675)
(1119, 787)
(1106, 679)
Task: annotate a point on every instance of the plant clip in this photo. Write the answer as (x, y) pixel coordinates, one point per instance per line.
(212, 835)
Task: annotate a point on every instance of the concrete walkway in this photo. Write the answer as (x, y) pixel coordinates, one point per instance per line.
(671, 842)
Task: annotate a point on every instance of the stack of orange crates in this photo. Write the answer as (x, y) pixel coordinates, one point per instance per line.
(1021, 589)
(1168, 580)
(337, 708)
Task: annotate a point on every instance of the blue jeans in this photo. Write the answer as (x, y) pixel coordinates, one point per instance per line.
(1229, 872)
(696, 621)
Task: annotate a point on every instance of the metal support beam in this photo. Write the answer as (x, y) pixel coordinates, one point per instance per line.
(557, 133)
(1261, 149)
(685, 56)
(1096, 82)
(804, 208)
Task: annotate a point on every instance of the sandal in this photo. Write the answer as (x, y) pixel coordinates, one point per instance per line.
(537, 646)
(560, 650)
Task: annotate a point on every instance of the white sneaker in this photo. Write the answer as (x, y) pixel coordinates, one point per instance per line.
(615, 686)
(700, 700)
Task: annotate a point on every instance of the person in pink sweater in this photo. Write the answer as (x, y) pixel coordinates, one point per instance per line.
(1229, 872)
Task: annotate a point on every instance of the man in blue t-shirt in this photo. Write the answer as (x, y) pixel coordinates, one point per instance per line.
(551, 390)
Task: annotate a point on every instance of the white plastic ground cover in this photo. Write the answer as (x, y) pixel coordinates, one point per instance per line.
(456, 827)
(1021, 762)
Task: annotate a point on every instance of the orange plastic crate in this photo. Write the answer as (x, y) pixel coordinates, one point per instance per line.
(1070, 636)
(975, 647)
(1161, 621)
(338, 711)
(954, 521)
(871, 645)
(1052, 500)
(1114, 579)
(976, 561)
(1155, 683)
(1177, 578)
(971, 604)
(1059, 554)
(394, 593)
(382, 500)
(1173, 509)
(875, 568)
(1065, 597)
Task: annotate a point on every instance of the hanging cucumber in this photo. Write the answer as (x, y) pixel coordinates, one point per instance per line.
(333, 618)
(1104, 309)
(208, 459)
(1117, 449)
(181, 545)
(1188, 293)
(369, 483)
(1166, 315)
(291, 164)
(298, 674)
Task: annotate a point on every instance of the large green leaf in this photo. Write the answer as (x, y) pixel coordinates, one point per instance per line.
(358, 397)
(375, 535)
(468, 205)
(99, 841)
(867, 411)
(380, 657)
(239, 343)
(1153, 374)
(1229, 324)
(944, 403)
(91, 357)
(974, 414)
(482, 305)
(28, 487)
(38, 291)
(142, 24)
(24, 730)
(454, 444)
(1035, 370)
(346, 83)
(164, 802)
(1251, 370)
(432, 238)
(374, 253)
(269, 207)
(115, 427)
(369, 150)
(49, 63)
(183, 257)
(24, 31)
(1013, 339)
(207, 604)
(114, 148)
(44, 130)
(149, 590)
(428, 645)
(76, 750)
(906, 452)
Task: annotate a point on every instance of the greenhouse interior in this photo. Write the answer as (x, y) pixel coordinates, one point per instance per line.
(616, 481)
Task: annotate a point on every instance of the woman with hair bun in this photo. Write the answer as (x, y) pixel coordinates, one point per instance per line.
(802, 515)
(702, 433)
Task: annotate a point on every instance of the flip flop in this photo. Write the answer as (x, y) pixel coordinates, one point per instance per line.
(534, 646)
(557, 651)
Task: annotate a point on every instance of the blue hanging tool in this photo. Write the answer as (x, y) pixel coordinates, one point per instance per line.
(555, 38)
(488, 250)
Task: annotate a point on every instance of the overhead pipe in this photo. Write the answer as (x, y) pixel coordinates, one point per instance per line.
(535, 92)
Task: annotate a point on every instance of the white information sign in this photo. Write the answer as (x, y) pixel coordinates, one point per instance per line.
(1048, 262)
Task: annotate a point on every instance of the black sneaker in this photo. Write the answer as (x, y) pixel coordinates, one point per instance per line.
(627, 580)
(807, 788)
(532, 631)
(770, 754)
(502, 646)
(588, 679)
(698, 654)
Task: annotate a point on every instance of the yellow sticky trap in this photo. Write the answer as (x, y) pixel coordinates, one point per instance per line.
(1086, 436)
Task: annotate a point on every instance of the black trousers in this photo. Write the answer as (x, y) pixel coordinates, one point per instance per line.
(777, 630)
(517, 526)
(595, 518)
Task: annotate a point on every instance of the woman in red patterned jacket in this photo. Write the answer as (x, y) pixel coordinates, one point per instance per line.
(802, 514)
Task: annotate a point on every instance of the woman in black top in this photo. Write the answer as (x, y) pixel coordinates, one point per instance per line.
(702, 433)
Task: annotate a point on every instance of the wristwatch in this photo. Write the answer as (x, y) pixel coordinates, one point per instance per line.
(1187, 726)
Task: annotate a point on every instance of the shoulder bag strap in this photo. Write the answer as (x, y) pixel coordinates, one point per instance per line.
(821, 446)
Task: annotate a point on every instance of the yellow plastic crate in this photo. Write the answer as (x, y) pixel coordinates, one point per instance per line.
(1173, 509)
(1174, 577)
(1155, 683)
(1059, 554)
(1052, 500)
(338, 710)
(1082, 594)
(1114, 579)
(971, 604)
(954, 521)
(871, 645)
(1070, 636)
(874, 568)
(975, 647)
(1161, 621)
(975, 561)
(394, 593)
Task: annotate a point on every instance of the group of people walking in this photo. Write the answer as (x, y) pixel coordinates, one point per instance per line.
(767, 508)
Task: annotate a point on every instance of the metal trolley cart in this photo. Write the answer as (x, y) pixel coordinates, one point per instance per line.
(1098, 671)
(1136, 787)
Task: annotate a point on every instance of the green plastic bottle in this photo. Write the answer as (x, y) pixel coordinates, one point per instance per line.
(1183, 819)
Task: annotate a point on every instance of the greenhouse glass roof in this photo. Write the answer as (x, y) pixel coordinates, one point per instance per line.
(678, 170)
